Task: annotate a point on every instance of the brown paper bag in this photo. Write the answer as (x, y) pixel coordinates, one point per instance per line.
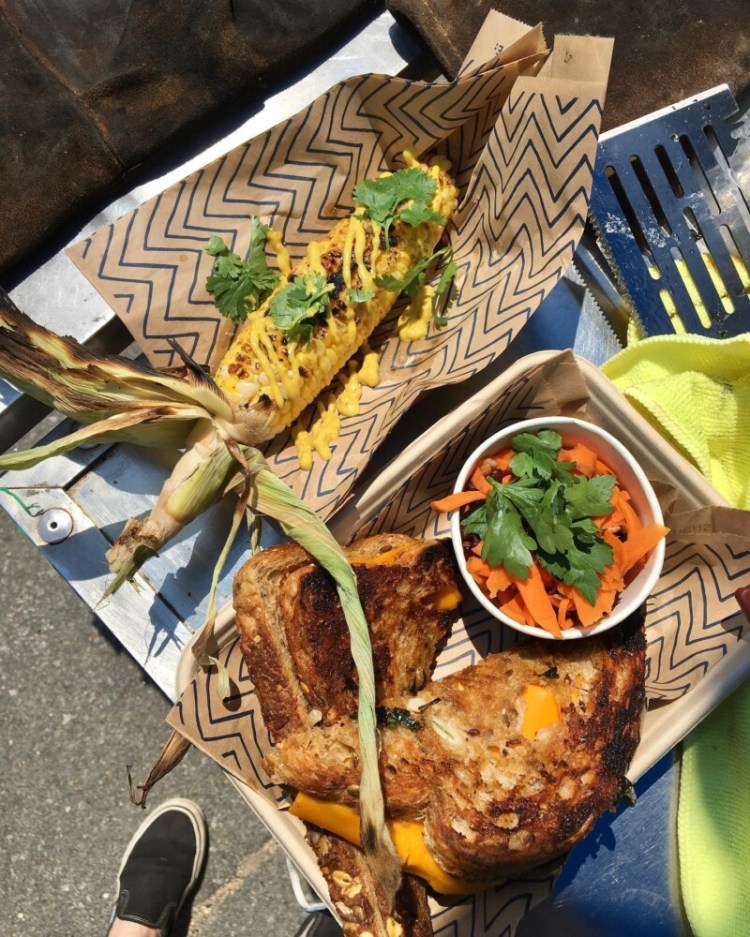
(521, 129)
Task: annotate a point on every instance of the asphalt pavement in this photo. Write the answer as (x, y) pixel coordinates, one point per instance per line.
(76, 711)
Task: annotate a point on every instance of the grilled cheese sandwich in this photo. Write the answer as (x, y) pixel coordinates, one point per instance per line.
(492, 770)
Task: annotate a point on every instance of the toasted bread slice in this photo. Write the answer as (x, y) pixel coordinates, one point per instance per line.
(504, 778)
(296, 644)
(357, 899)
(295, 639)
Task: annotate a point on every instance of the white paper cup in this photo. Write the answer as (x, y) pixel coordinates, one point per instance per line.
(630, 476)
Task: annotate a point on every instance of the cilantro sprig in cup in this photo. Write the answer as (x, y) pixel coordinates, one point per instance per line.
(557, 531)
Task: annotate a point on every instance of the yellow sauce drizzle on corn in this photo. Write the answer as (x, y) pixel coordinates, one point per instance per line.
(369, 372)
(276, 244)
(275, 368)
(347, 402)
(414, 321)
(325, 430)
(265, 355)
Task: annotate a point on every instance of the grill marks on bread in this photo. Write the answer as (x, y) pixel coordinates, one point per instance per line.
(508, 802)
(295, 642)
(294, 635)
(493, 801)
(494, 798)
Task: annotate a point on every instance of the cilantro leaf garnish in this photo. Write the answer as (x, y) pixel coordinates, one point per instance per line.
(537, 454)
(589, 497)
(384, 198)
(359, 295)
(548, 520)
(409, 283)
(417, 214)
(415, 277)
(547, 510)
(297, 307)
(239, 286)
(447, 276)
(506, 542)
(581, 565)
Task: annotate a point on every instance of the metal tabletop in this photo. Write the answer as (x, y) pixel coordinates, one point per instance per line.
(73, 507)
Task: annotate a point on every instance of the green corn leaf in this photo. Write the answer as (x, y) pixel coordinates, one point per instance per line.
(142, 426)
(270, 496)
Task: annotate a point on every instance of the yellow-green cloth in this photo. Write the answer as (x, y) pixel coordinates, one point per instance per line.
(713, 821)
(696, 391)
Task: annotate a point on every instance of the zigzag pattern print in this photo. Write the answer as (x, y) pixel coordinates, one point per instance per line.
(233, 734)
(692, 619)
(231, 730)
(523, 148)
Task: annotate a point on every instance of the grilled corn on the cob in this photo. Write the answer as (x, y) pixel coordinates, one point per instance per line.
(269, 379)
(266, 379)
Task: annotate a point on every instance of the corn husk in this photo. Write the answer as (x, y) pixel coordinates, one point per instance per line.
(124, 400)
(268, 495)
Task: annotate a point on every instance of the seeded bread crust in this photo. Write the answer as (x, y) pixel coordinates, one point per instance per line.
(294, 636)
(358, 902)
(494, 802)
(295, 642)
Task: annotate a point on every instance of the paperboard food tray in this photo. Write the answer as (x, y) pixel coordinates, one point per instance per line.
(695, 629)
(519, 126)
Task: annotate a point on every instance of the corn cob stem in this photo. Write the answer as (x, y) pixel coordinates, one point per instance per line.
(198, 480)
(270, 496)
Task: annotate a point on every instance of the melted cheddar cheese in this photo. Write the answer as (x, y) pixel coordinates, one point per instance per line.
(541, 710)
(407, 835)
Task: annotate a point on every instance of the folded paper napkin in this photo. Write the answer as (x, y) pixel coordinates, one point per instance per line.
(696, 391)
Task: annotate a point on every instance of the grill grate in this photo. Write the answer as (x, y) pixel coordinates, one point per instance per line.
(670, 206)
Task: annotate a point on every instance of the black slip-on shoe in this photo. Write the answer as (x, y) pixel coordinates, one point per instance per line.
(161, 865)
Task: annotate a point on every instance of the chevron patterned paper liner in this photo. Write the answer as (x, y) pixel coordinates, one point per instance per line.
(692, 620)
(522, 136)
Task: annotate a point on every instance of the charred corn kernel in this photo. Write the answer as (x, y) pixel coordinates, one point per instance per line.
(270, 378)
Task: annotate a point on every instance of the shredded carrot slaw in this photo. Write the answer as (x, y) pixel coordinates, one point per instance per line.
(541, 600)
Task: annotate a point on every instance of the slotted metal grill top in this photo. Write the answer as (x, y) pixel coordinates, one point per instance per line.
(671, 206)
